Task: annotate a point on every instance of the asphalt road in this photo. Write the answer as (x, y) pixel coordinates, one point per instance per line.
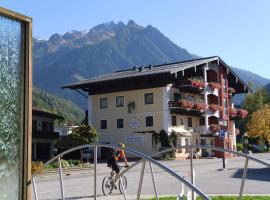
(209, 178)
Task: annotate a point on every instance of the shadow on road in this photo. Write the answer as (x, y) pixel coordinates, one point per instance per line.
(258, 174)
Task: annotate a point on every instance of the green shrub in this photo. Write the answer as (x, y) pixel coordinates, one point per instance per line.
(239, 147)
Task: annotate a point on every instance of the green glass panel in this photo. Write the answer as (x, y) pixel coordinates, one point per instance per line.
(10, 109)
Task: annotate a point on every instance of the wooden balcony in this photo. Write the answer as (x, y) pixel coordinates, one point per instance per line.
(185, 107)
(191, 86)
(237, 114)
(45, 135)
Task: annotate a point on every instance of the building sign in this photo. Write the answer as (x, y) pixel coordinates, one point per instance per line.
(134, 123)
(135, 139)
(222, 133)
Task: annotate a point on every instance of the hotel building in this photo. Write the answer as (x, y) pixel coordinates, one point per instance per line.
(192, 98)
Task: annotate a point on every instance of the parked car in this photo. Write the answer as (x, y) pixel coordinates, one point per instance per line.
(87, 154)
(257, 148)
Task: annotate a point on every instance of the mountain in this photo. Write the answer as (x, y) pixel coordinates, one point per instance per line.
(57, 105)
(75, 56)
(255, 79)
(78, 55)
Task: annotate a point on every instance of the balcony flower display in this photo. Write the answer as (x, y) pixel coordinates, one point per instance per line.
(186, 104)
(214, 128)
(231, 90)
(233, 112)
(199, 106)
(195, 83)
(242, 113)
(214, 107)
(214, 85)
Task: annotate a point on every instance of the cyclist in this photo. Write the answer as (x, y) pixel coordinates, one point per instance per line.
(121, 154)
(112, 163)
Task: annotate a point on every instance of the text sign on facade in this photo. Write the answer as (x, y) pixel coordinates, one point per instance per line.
(134, 123)
(135, 139)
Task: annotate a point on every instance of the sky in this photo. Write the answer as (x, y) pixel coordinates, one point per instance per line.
(236, 30)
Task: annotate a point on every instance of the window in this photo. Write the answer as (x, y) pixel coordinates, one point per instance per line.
(202, 121)
(182, 121)
(189, 122)
(173, 120)
(177, 96)
(103, 103)
(148, 98)
(149, 121)
(103, 124)
(120, 123)
(120, 101)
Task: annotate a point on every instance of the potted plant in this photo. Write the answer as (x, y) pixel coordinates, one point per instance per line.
(231, 91)
(186, 104)
(233, 112)
(199, 106)
(242, 113)
(214, 107)
(214, 128)
(214, 85)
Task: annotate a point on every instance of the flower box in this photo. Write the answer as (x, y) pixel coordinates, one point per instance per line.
(214, 128)
(199, 106)
(214, 85)
(233, 112)
(195, 83)
(186, 104)
(242, 113)
(214, 108)
(231, 90)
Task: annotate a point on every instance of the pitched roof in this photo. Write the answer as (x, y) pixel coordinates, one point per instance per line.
(169, 68)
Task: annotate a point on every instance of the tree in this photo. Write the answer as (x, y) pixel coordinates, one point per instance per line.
(252, 103)
(259, 125)
(84, 134)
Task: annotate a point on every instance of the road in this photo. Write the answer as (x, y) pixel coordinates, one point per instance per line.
(209, 178)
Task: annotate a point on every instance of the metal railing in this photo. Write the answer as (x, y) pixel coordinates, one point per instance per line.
(144, 159)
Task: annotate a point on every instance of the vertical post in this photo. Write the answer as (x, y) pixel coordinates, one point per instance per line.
(123, 188)
(141, 180)
(61, 177)
(34, 188)
(205, 68)
(153, 179)
(243, 180)
(191, 170)
(223, 161)
(95, 172)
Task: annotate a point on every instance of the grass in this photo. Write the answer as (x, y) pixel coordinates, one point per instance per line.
(224, 198)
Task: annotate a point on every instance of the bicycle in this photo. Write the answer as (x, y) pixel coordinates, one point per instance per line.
(108, 183)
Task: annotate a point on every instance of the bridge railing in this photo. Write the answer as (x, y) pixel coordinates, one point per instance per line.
(151, 161)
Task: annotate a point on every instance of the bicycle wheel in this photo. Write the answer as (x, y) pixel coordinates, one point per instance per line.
(124, 182)
(107, 185)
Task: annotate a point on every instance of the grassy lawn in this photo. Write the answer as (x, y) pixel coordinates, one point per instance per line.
(225, 198)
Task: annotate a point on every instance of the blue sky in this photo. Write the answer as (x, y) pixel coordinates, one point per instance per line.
(237, 31)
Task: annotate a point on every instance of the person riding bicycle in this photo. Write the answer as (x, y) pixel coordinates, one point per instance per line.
(121, 154)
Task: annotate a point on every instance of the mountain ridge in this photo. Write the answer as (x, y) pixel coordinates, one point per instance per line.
(78, 55)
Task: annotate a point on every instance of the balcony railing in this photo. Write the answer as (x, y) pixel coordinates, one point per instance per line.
(45, 135)
(238, 113)
(192, 86)
(186, 107)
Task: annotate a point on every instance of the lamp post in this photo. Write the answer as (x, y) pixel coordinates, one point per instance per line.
(245, 139)
(222, 123)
